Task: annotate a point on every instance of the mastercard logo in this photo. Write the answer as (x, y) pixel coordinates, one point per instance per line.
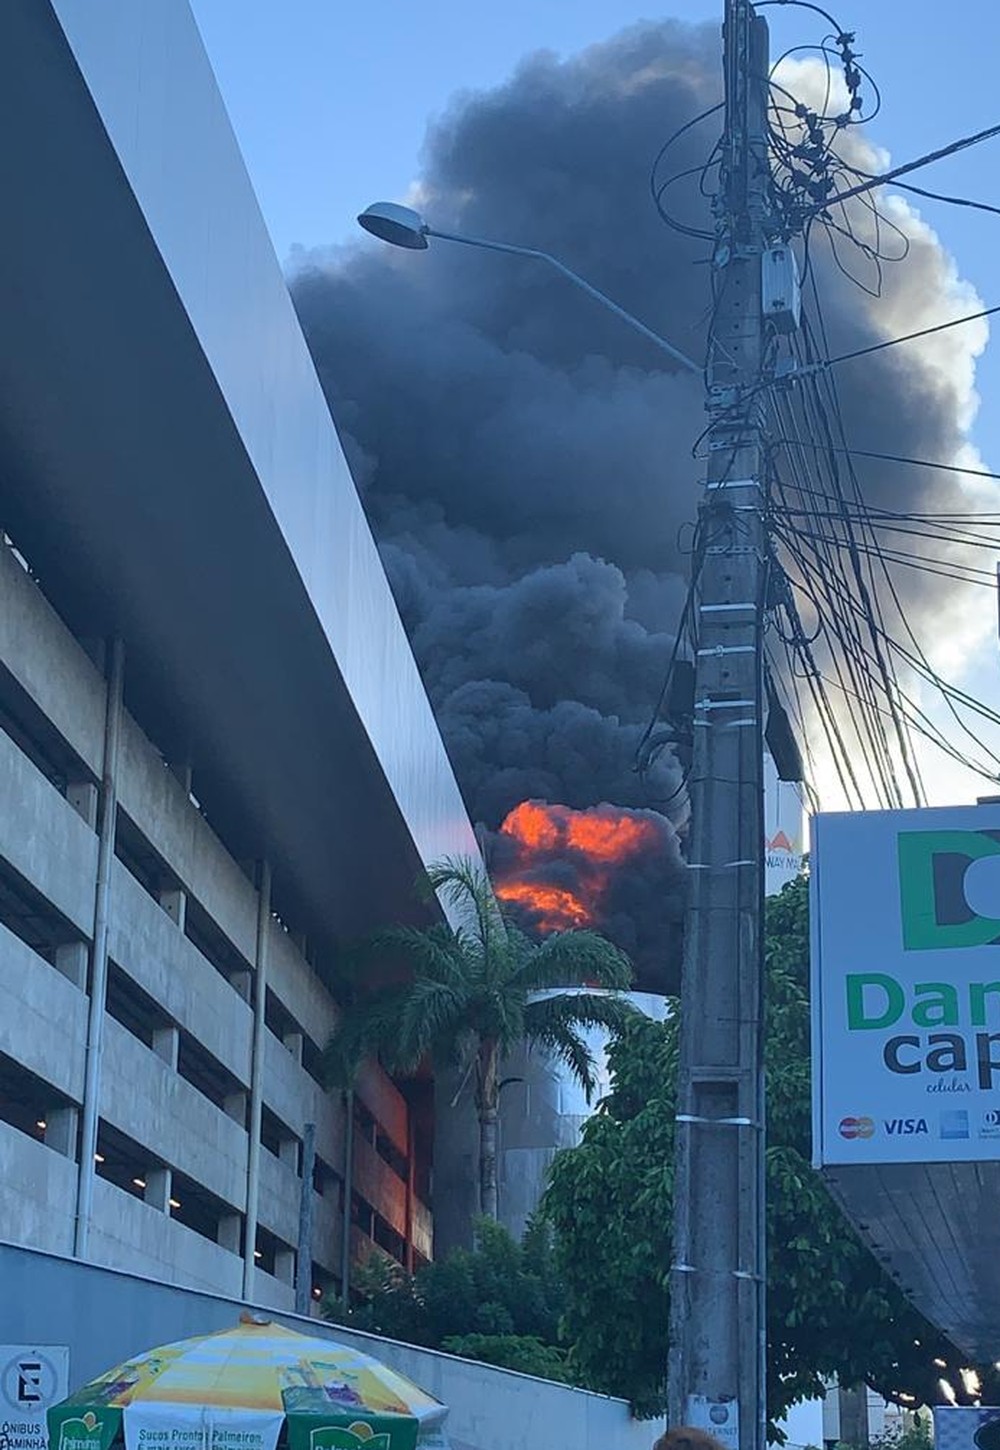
(857, 1128)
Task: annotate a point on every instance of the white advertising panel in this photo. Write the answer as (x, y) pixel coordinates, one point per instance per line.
(906, 986)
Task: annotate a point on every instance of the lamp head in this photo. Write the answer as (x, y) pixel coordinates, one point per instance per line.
(399, 225)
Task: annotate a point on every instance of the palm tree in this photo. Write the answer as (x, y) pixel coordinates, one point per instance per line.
(473, 993)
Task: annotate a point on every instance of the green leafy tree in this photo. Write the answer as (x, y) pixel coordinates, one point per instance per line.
(501, 1302)
(471, 994)
(525, 1353)
(832, 1308)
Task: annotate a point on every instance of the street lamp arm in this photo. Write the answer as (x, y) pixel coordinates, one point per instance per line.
(579, 281)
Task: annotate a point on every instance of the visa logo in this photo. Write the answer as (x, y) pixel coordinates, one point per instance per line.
(905, 1127)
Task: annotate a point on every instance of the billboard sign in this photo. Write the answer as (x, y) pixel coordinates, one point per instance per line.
(906, 986)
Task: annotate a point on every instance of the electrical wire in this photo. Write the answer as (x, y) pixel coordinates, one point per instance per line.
(909, 336)
(867, 637)
(849, 659)
(887, 176)
(939, 196)
(657, 189)
(891, 458)
(912, 658)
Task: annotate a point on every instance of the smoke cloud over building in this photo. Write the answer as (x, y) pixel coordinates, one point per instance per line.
(526, 460)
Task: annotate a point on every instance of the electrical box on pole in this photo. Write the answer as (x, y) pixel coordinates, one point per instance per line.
(717, 1325)
(780, 289)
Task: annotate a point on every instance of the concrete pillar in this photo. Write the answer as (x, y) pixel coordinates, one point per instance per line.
(166, 1044)
(293, 1041)
(284, 1266)
(261, 953)
(159, 1185)
(411, 1168)
(854, 1416)
(235, 1107)
(307, 1221)
(241, 981)
(72, 959)
(174, 903)
(61, 1125)
(288, 1152)
(229, 1232)
(82, 796)
(99, 956)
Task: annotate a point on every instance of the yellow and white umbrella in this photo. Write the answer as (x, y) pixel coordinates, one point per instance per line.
(241, 1389)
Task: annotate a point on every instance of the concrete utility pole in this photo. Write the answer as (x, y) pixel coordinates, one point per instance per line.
(717, 1328)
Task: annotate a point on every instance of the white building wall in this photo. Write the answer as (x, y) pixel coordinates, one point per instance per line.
(50, 665)
(153, 798)
(127, 1232)
(153, 1105)
(37, 1192)
(151, 948)
(48, 855)
(43, 1024)
(58, 854)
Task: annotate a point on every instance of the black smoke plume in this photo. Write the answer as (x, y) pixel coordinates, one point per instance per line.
(525, 459)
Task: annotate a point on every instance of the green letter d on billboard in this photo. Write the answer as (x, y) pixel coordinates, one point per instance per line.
(932, 868)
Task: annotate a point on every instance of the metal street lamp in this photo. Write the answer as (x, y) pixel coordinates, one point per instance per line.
(403, 227)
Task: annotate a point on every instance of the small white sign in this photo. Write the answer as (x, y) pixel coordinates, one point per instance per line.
(720, 1418)
(32, 1378)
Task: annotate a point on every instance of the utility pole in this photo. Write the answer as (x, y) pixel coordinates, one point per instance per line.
(717, 1322)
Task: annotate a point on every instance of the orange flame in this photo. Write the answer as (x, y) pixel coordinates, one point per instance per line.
(556, 908)
(608, 838)
(594, 842)
(532, 824)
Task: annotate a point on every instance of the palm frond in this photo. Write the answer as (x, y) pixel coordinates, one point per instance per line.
(366, 1030)
(568, 958)
(429, 1013)
(434, 952)
(464, 885)
(571, 1049)
(578, 1009)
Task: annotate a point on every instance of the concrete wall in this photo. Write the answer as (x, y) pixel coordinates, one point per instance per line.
(43, 1023)
(52, 847)
(37, 1191)
(105, 1317)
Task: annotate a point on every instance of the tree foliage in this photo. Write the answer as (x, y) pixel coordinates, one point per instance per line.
(470, 994)
(500, 1302)
(832, 1308)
